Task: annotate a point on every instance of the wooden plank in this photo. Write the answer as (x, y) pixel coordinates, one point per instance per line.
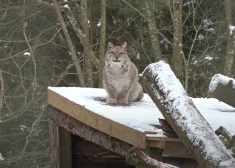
(176, 150)
(156, 144)
(154, 138)
(65, 148)
(88, 133)
(96, 121)
(54, 149)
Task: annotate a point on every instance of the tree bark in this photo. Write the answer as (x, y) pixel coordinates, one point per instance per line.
(178, 109)
(1, 90)
(177, 56)
(102, 40)
(87, 45)
(230, 53)
(70, 44)
(80, 35)
(150, 5)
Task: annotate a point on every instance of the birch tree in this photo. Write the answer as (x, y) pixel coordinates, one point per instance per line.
(230, 50)
(177, 62)
(102, 40)
(150, 6)
(87, 43)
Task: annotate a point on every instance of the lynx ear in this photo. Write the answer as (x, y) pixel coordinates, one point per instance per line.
(110, 45)
(124, 46)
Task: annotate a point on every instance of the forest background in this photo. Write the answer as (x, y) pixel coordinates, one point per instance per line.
(62, 43)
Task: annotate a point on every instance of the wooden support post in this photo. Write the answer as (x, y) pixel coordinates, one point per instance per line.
(178, 109)
(61, 154)
(65, 148)
(54, 150)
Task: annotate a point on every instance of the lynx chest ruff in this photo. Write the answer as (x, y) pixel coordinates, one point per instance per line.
(118, 77)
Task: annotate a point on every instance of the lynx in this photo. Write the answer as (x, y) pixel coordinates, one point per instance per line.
(120, 76)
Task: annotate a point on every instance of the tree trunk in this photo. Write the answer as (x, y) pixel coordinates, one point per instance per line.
(177, 56)
(80, 34)
(102, 40)
(150, 5)
(87, 46)
(230, 53)
(178, 109)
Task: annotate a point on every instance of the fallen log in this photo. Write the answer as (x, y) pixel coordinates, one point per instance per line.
(223, 88)
(138, 158)
(166, 91)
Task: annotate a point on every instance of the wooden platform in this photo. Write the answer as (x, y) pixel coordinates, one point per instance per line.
(136, 124)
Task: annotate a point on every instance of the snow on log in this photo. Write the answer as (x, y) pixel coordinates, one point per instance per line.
(178, 109)
(138, 158)
(223, 88)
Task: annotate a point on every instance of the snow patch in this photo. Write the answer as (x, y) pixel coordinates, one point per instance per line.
(208, 58)
(165, 41)
(26, 54)
(99, 23)
(231, 29)
(200, 38)
(206, 23)
(66, 6)
(23, 128)
(1, 157)
(188, 3)
(218, 78)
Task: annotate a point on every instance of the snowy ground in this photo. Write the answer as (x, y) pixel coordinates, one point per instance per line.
(144, 115)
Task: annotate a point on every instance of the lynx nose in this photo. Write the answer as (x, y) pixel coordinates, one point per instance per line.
(116, 56)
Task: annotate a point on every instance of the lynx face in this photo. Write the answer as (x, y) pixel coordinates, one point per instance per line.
(116, 55)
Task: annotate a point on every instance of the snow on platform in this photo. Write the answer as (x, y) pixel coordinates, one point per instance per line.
(143, 115)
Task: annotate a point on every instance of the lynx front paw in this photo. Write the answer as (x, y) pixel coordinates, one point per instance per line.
(111, 101)
(123, 101)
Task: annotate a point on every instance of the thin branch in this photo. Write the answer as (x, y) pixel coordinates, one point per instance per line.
(70, 44)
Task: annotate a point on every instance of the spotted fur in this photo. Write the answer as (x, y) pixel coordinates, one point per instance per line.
(120, 76)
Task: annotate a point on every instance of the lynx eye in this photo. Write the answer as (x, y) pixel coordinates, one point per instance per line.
(122, 53)
(111, 52)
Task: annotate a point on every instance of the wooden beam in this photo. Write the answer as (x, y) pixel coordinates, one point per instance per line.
(176, 150)
(156, 144)
(154, 138)
(90, 134)
(112, 128)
